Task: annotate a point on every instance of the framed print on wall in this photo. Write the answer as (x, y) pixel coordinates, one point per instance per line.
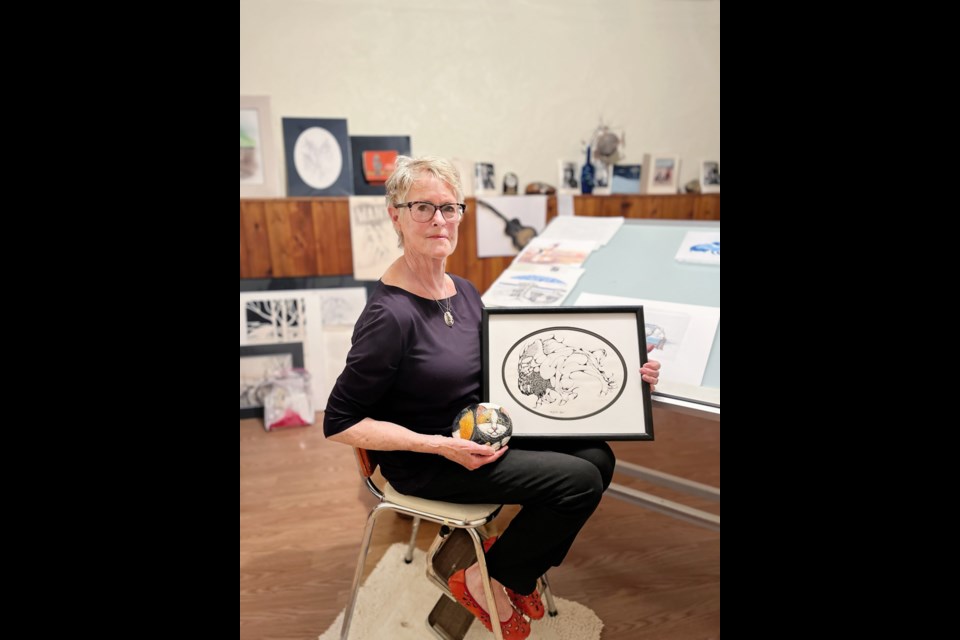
(567, 177)
(374, 158)
(258, 165)
(257, 364)
(710, 176)
(660, 174)
(318, 158)
(568, 372)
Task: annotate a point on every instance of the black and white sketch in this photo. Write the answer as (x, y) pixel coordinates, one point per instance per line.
(568, 372)
(372, 237)
(564, 373)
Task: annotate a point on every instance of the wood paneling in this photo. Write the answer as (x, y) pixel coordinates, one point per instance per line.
(296, 237)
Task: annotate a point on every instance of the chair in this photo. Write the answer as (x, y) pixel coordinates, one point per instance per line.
(467, 517)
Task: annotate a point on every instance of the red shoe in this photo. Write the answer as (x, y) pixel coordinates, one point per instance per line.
(531, 605)
(516, 628)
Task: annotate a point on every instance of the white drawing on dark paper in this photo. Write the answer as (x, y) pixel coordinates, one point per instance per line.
(564, 373)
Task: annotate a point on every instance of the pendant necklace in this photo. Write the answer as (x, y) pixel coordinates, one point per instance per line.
(448, 311)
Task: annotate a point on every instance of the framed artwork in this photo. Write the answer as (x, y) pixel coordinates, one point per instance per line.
(710, 176)
(484, 179)
(568, 177)
(373, 161)
(257, 363)
(318, 157)
(626, 178)
(568, 372)
(660, 174)
(258, 166)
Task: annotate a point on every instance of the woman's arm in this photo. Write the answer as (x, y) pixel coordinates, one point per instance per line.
(379, 435)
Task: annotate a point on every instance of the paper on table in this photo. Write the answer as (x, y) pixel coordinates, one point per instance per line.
(556, 252)
(683, 333)
(532, 286)
(701, 247)
(598, 230)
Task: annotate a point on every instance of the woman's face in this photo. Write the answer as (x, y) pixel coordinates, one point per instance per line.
(436, 238)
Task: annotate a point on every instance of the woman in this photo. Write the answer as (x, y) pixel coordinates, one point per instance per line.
(415, 363)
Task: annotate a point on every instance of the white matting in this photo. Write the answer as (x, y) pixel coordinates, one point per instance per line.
(397, 597)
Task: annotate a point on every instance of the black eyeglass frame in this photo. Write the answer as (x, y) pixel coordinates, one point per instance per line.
(436, 207)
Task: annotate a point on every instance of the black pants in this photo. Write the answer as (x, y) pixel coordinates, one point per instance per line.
(558, 482)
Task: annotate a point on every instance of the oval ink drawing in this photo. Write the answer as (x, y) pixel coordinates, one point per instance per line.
(564, 373)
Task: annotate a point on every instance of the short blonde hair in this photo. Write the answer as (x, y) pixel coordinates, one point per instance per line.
(409, 169)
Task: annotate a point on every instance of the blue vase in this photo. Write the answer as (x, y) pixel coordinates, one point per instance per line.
(587, 176)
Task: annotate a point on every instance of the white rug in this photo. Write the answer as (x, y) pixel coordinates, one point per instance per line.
(396, 599)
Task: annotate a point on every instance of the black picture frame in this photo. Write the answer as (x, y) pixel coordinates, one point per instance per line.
(255, 364)
(318, 158)
(569, 372)
(359, 144)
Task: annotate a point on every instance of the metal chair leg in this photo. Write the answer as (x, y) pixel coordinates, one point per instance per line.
(487, 587)
(408, 558)
(358, 574)
(548, 594)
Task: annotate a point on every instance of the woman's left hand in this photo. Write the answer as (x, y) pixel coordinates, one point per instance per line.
(650, 372)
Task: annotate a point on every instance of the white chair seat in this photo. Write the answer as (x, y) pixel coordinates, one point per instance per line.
(447, 512)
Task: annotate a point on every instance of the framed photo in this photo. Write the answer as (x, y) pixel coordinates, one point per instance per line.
(258, 165)
(484, 179)
(257, 363)
(660, 174)
(710, 176)
(626, 178)
(374, 158)
(568, 177)
(568, 372)
(318, 157)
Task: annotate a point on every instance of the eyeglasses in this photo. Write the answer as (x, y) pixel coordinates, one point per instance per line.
(423, 211)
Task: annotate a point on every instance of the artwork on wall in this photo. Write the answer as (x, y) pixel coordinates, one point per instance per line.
(318, 157)
(567, 178)
(505, 224)
(626, 178)
(373, 240)
(258, 366)
(258, 166)
(710, 176)
(373, 161)
(321, 319)
(484, 179)
(564, 372)
(270, 317)
(660, 174)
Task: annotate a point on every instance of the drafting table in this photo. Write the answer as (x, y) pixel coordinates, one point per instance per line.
(638, 262)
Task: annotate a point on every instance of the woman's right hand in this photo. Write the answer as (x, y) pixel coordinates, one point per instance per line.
(470, 454)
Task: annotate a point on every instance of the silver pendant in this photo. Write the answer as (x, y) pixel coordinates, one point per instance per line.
(448, 318)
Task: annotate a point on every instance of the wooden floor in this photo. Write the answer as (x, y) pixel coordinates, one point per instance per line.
(303, 508)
